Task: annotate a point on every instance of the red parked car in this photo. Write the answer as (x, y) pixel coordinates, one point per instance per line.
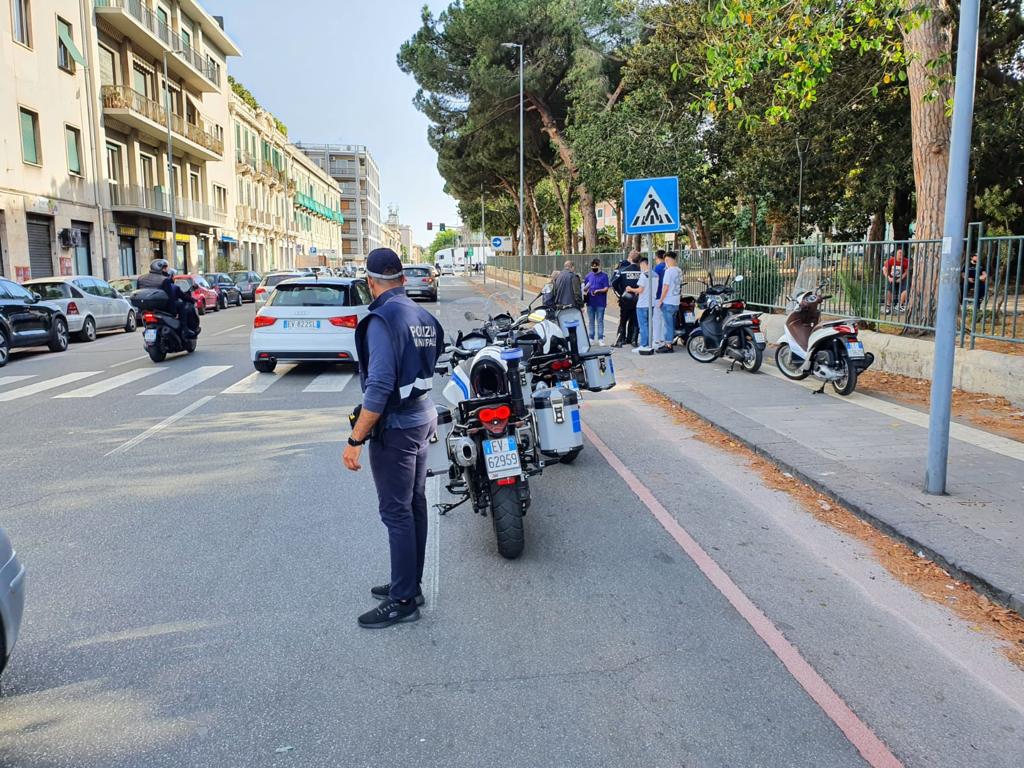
(202, 292)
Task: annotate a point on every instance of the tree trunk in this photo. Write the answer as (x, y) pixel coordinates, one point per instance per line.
(902, 212)
(568, 158)
(564, 204)
(753, 221)
(776, 236)
(876, 232)
(538, 224)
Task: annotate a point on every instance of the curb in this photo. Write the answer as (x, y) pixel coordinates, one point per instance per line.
(980, 583)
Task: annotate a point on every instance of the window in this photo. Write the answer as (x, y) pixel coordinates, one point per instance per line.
(193, 186)
(220, 198)
(65, 59)
(108, 67)
(73, 139)
(22, 21)
(186, 39)
(600, 213)
(141, 81)
(114, 164)
(30, 136)
(147, 173)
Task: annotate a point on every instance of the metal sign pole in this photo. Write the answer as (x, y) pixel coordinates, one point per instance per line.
(648, 248)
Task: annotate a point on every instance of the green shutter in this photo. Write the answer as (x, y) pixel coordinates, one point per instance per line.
(64, 33)
(74, 161)
(29, 149)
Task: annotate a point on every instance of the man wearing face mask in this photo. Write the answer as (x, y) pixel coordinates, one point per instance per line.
(596, 286)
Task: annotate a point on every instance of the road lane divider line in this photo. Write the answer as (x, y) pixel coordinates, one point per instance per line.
(228, 330)
(329, 382)
(45, 385)
(976, 437)
(130, 360)
(129, 444)
(872, 749)
(187, 381)
(257, 382)
(98, 388)
(5, 380)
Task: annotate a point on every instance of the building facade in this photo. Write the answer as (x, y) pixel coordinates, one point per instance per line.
(317, 218)
(50, 193)
(353, 167)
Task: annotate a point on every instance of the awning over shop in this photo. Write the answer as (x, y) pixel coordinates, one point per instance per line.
(156, 235)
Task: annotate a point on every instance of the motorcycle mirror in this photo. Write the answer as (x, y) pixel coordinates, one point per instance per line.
(469, 316)
(738, 279)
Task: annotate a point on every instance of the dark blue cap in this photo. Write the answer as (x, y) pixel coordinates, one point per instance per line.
(383, 264)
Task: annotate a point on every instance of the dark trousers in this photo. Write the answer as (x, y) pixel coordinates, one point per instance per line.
(398, 460)
(628, 328)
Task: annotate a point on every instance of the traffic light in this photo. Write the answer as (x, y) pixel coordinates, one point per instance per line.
(430, 225)
(440, 227)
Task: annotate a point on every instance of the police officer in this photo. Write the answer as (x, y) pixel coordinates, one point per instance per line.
(398, 344)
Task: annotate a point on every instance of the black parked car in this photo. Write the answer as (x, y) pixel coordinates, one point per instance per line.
(25, 321)
(227, 289)
(246, 280)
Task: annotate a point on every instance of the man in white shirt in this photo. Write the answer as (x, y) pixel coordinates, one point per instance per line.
(643, 293)
(668, 302)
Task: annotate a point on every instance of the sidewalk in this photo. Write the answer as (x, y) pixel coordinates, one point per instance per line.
(869, 455)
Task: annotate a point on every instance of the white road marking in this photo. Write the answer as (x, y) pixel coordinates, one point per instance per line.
(257, 382)
(128, 445)
(331, 381)
(91, 390)
(43, 386)
(189, 380)
(5, 380)
(976, 437)
(130, 360)
(433, 542)
(227, 330)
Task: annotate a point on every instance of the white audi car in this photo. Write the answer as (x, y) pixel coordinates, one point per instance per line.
(309, 319)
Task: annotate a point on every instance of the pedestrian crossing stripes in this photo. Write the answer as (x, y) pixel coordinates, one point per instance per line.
(256, 382)
(329, 382)
(5, 380)
(186, 381)
(99, 387)
(43, 386)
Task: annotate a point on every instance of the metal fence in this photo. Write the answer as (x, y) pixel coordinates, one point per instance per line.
(891, 285)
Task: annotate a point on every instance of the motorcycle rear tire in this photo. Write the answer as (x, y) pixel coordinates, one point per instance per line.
(752, 366)
(157, 353)
(190, 345)
(507, 518)
(702, 356)
(784, 351)
(850, 383)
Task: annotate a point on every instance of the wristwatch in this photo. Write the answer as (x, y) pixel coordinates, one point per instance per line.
(356, 443)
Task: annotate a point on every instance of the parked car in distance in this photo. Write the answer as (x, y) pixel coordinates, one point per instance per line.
(420, 280)
(204, 294)
(89, 304)
(247, 282)
(226, 288)
(269, 281)
(12, 598)
(27, 321)
(125, 285)
(309, 318)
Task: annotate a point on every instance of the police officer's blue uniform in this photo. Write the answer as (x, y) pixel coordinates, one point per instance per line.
(398, 344)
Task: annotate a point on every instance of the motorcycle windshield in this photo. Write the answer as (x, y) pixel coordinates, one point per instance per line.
(808, 278)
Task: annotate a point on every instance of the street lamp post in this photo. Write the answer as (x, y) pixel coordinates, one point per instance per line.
(800, 149)
(522, 212)
(483, 237)
(170, 163)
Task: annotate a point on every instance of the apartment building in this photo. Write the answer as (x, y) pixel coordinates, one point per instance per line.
(356, 172)
(137, 42)
(50, 203)
(317, 218)
(391, 232)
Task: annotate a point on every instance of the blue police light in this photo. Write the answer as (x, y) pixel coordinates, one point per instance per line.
(511, 354)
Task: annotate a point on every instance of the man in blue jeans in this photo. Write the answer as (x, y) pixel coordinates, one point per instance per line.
(671, 288)
(643, 292)
(596, 285)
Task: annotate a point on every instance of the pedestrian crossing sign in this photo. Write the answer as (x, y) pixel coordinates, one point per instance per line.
(651, 205)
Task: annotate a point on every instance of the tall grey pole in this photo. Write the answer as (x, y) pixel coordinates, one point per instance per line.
(952, 249)
(522, 202)
(800, 191)
(483, 238)
(652, 286)
(170, 168)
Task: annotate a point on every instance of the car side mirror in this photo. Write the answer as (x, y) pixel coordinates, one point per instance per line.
(34, 297)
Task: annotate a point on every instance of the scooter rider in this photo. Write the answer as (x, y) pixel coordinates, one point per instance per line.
(398, 344)
(182, 305)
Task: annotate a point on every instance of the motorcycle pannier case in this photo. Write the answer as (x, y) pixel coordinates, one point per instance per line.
(557, 411)
(598, 369)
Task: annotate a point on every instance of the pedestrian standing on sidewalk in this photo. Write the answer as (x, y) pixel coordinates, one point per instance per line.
(626, 277)
(596, 285)
(672, 284)
(642, 292)
(568, 288)
(659, 271)
(398, 344)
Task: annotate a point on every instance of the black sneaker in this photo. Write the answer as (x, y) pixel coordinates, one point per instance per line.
(664, 350)
(389, 612)
(383, 592)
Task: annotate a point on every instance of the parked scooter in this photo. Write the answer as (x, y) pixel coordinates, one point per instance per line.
(163, 332)
(725, 331)
(829, 351)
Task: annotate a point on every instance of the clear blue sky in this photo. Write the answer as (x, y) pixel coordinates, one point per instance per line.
(327, 69)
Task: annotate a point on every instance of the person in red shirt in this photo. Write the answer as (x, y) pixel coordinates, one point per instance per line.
(897, 273)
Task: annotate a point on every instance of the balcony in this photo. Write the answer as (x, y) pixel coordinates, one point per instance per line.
(246, 215)
(136, 20)
(149, 117)
(156, 202)
(244, 161)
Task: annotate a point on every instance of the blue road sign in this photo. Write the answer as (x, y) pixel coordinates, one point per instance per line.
(651, 205)
(496, 242)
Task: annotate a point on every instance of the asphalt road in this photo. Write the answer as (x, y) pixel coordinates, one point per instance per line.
(197, 557)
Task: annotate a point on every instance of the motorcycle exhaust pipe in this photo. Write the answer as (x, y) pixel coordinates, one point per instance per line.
(462, 450)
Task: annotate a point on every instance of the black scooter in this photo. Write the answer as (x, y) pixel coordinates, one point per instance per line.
(163, 332)
(724, 332)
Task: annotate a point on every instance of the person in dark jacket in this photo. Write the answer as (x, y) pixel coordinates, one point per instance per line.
(181, 304)
(626, 276)
(568, 287)
(398, 344)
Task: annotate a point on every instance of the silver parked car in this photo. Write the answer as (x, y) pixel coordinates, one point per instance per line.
(89, 303)
(12, 598)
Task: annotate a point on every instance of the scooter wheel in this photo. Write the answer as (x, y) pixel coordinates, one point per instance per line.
(157, 353)
(848, 383)
(787, 365)
(697, 349)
